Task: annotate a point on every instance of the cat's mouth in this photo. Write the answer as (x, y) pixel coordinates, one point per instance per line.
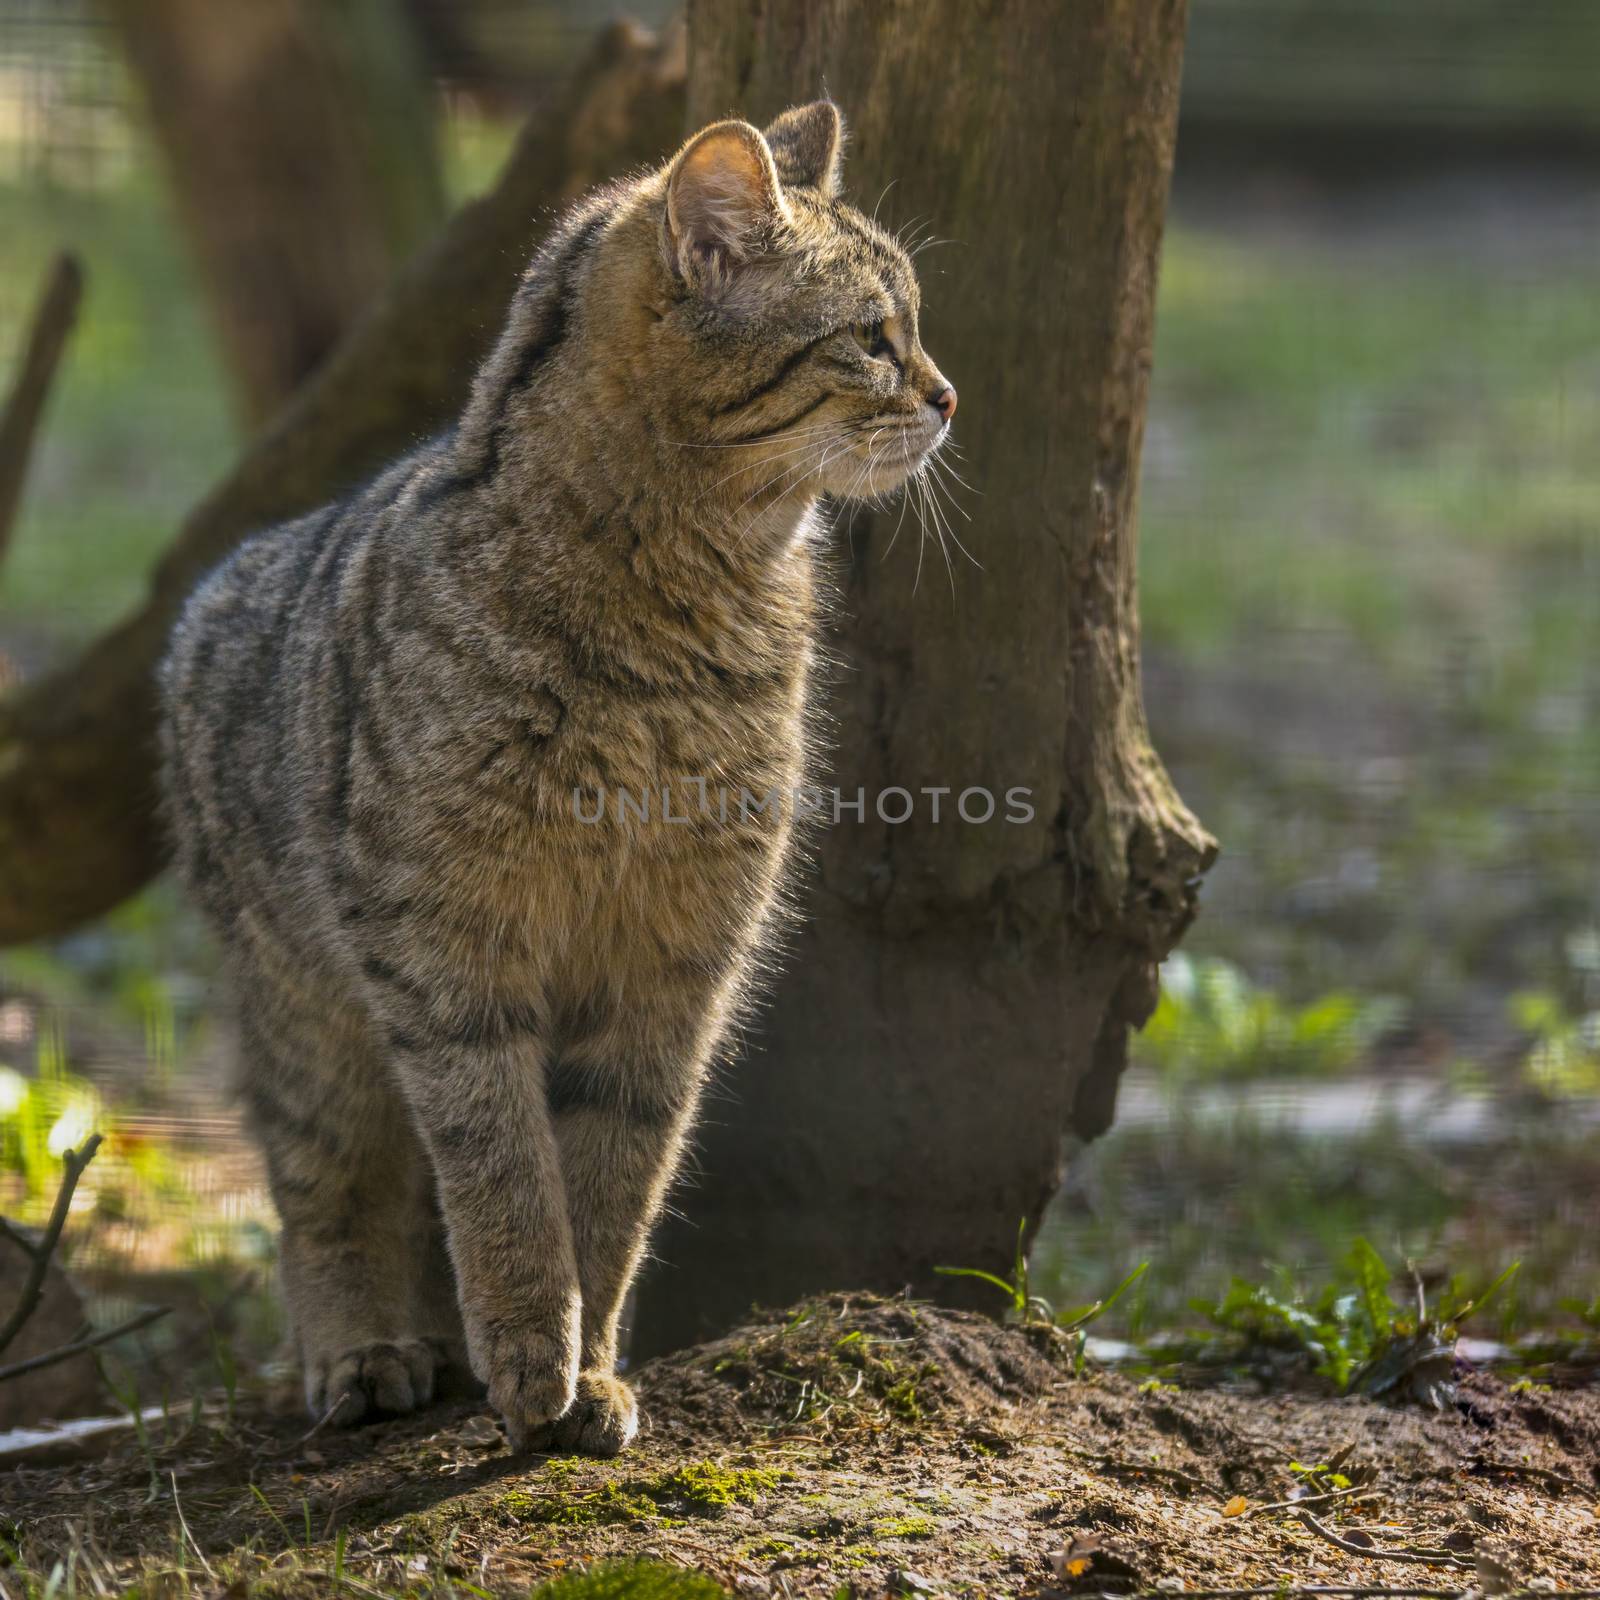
(881, 456)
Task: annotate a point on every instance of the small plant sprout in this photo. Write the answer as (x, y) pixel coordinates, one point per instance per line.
(1034, 1311)
(1354, 1332)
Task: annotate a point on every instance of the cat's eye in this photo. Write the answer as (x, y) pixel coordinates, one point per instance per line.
(872, 338)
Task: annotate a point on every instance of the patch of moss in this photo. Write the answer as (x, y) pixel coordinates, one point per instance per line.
(906, 1528)
(771, 1547)
(708, 1489)
(631, 1580)
(607, 1503)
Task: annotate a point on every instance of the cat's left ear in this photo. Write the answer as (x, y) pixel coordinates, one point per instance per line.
(724, 200)
(807, 144)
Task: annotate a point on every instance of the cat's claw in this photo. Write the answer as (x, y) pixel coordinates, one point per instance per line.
(530, 1385)
(601, 1421)
(383, 1379)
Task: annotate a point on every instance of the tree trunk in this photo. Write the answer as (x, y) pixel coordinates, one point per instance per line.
(960, 994)
(299, 136)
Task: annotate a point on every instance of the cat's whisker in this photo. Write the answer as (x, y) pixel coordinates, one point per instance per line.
(946, 467)
(774, 482)
(746, 444)
(935, 471)
(935, 484)
(763, 461)
(862, 474)
(922, 528)
(800, 466)
(940, 527)
(905, 501)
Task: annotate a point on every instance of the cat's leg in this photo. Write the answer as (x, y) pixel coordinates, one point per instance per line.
(471, 1064)
(622, 1098)
(350, 1185)
(438, 1308)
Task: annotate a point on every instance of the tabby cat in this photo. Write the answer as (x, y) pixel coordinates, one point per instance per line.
(474, 1021)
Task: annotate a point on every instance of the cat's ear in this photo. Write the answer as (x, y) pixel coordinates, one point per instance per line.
(724, 200)
(807, 145)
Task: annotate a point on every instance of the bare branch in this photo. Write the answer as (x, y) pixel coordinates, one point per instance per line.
(78, 1347)
(1431, 1558)
(53, 321)
(75, 1162)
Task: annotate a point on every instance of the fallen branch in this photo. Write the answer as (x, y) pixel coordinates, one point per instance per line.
(1352, 1591)
(1432, 1558)
(1528, 1470)
(79, 1347)
(53, 321)
(44, 1248)
(1132, 1469)
(1355, 1493)
(78, 821)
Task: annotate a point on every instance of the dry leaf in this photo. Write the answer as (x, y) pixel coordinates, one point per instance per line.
(1236, 1507)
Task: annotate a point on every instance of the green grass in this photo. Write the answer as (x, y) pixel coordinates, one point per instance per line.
(632, 1580)
(1225, 1191)
(1351, 1330)
(1386, 447)
(1213, 1022)
(1370, 523)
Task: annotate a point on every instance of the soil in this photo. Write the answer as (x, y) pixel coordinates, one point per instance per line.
(854, 1446)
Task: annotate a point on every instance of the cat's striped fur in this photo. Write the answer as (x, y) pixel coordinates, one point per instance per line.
(474, 1027)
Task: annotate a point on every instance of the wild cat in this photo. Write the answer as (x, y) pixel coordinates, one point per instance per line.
(474, 1025)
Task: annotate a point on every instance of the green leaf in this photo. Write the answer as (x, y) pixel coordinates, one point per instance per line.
(1100, 1307)
(1372, 1277)
(1488, 1294)
(1005, 1288)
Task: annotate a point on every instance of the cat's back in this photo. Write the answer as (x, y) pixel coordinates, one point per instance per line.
(252, 683)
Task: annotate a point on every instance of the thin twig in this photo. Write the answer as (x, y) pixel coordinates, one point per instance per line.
(1528, 1470)
(33, 1289)
(47, 339)
(1355, 1491)
(1139, 1468)
(1432, 1558)
(183, 1522)
(1109, 1463)
(18, 1369)
(1353, 1591)
(322, 1421)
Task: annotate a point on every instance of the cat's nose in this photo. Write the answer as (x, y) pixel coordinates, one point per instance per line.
(944, 402)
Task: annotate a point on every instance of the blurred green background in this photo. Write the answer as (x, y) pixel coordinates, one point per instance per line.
(1370, 579)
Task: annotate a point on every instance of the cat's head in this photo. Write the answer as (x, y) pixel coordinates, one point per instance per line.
(781, 346)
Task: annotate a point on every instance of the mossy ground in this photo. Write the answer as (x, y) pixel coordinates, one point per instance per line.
(735, 1488)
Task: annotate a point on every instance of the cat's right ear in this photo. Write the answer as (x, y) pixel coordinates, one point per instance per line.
(807, 144)
(724, 202)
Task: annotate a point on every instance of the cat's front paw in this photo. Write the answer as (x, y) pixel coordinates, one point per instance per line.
(532, 1379)
(603, 1419)
(382, 1379)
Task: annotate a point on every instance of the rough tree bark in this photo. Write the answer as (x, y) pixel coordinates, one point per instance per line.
(299, 137)
(78, 828)
(960, 996)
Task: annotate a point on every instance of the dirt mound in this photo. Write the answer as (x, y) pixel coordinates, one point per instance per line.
(853, 1445)
(849, 1361)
